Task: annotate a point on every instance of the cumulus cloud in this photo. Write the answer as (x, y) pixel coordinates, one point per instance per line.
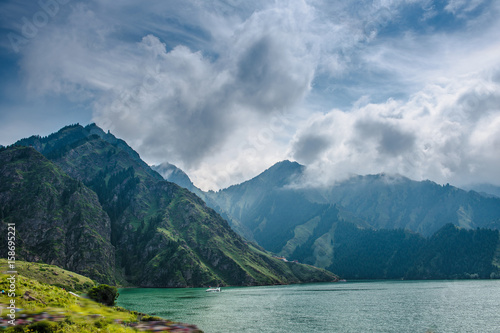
(447, 133)
(177, 104)
(309, 147)
(224, 89)
(389, 139)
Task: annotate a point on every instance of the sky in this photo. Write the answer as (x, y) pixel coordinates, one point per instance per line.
(224, 88)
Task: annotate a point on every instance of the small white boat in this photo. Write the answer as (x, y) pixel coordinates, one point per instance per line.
(213, 290)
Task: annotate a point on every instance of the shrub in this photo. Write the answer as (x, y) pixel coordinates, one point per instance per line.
(87, 285)
(151, 318)
(120, 309)
(102, 323)
(15, 329)
(43, 327)
(104, 294)
(63, 286)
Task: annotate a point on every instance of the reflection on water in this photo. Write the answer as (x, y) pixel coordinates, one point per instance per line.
(378, 306)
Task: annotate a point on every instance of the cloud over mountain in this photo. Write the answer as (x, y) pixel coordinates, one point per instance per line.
(446, 132)
(225, 89)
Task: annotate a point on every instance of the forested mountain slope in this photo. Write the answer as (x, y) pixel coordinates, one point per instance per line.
(157, 233)
(374, 226)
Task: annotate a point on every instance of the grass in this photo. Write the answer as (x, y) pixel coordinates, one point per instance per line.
(168, 234)
(302, 233)
(50, 274)
(77, 314)
(63, 311)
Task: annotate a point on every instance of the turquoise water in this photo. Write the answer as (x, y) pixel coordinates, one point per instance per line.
(378, 306)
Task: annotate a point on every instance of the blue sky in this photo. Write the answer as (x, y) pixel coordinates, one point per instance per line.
(224, 89)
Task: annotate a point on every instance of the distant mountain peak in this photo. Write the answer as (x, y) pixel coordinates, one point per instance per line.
(278, 175)
(487, 190)
(71, 136)
(173, 174)
(283, 170)
(287, 166)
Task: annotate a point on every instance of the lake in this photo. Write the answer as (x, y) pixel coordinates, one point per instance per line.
(374, 306)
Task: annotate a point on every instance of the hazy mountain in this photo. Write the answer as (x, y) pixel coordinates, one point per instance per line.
(376, 201)
(385, 220)
(175, 175)
(162, 235)
(387, 201)
(266, 208)
(487, 190)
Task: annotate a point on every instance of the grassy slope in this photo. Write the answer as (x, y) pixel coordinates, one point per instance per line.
(77, 314)
(81, 315)
(260, 266)
(51, 274)
(295, 272)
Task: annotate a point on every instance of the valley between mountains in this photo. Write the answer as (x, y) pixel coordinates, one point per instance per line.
(84, 200)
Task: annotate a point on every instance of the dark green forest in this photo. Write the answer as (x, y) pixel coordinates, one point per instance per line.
(451, 253)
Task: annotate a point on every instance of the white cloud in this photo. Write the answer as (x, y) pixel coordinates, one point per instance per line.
(225, 89)
(447, 133)
(178, 104)
(461, 7)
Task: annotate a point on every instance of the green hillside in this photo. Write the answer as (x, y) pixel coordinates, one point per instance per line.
(51, 274)
(159, 234)
(58, 219)
(64, 311)
(372, 227)
(41, 307)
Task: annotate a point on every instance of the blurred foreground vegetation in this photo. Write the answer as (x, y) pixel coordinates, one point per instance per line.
(52, 275)
(41, 307)
(64, 311)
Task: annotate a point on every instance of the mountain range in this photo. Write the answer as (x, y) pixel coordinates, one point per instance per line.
(84, 200)
(372, 226)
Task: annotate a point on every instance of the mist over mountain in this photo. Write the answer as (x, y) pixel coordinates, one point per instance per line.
(175, 175)
(382, 200)
(391, 202)
(143, 230)
(373, 226)
(485, 189)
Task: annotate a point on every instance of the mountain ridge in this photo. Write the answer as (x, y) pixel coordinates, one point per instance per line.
(362, 185)
(163, 235)
(339, 227)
